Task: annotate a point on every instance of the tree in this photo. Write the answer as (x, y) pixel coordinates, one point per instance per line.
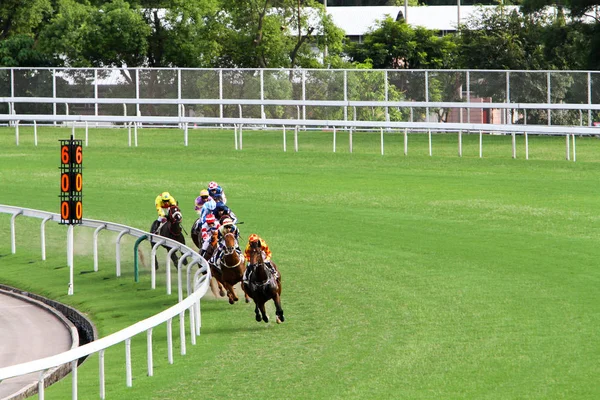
(22, 16)
(395, 44)
(277, 33)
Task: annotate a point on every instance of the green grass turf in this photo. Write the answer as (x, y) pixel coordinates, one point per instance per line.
(410, 277)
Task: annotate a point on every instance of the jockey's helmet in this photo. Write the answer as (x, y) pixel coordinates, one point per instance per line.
(165, 196)
(227, 222)
(210, 219)
(213, 185)
(253, 238)
(204, 193)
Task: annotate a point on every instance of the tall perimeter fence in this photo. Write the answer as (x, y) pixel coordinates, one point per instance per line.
(195, 285)
(415, 101)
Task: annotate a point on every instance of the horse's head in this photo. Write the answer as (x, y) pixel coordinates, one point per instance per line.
(256, 255)
(230, 243)
(175, 216)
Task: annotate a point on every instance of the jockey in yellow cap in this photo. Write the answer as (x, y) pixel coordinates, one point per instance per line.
(162, 202)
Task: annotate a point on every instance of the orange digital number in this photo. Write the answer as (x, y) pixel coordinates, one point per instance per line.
(78, 182)
(78, 155)
(65, 182)
(65, 210)
(64, 155)
(78, 210)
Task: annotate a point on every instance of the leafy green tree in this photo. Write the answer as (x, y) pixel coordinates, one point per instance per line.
(277, 33)
(395, 44)
(22, 16)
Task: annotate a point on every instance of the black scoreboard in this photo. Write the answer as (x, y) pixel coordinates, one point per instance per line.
(71, 181)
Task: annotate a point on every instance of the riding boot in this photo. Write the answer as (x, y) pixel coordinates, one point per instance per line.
(248, 272)
(154, 227)
(202, 253)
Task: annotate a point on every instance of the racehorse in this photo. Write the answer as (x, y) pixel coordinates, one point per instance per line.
(172, 230)
(212, 247)
(263, 285)
(230, 269)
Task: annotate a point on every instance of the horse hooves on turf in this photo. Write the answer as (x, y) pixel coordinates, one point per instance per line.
(266, 319)
(258, 319)
(280, 320)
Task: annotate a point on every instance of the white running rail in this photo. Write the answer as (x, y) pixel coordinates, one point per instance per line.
(197, 286)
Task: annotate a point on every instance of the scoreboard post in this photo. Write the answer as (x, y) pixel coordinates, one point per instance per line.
(71, 181)
(71, 193)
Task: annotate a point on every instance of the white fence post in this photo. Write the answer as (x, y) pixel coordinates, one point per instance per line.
(101, 374)
(153, 263)
(43, 236)
(128, 374)
(149, 347)
(296, 138)
(334, 139)
(95, 245)
(284, 140)
(168, 268)
(118, 251)
(429, 137)
(514, 145)
(70, 246)
(13, 238)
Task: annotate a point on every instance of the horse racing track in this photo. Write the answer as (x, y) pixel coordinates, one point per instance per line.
(411, 277)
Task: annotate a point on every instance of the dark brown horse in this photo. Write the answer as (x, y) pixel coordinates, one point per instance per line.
(170, 229)
(263, 285)
(230, 268)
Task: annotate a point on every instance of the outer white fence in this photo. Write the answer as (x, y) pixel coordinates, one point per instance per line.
(383, 126)
(197, 285)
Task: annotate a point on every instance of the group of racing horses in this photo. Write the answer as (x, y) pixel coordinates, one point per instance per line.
(261, 286)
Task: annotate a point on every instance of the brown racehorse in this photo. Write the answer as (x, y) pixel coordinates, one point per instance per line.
(215, 286)
(230, 268)
(263, 285)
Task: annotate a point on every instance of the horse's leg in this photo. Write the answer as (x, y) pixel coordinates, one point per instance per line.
(278, 309)
(257, 312)
(222, 290)
(214, 287)
(217, 275)
(265, 317)
(230, 292)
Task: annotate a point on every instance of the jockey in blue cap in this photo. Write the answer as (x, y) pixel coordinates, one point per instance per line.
(216, 192)
(221, 211)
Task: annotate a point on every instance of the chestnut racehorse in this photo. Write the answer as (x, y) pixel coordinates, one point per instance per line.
(263, 285)
(230, 269)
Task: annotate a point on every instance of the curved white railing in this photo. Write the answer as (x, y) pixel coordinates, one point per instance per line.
(197, 285)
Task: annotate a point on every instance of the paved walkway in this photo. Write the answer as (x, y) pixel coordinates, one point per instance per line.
(27, 332)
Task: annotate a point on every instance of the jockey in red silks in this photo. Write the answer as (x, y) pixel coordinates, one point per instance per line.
(210, 226)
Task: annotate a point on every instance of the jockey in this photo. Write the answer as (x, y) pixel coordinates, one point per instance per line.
(207, 208)
(255, 240)
(211, 225)
(227, 226)
(221, 209)
(200, 200)
(216, 192)
(162, 202)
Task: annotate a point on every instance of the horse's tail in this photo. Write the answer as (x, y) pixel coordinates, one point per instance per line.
(142, 257)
